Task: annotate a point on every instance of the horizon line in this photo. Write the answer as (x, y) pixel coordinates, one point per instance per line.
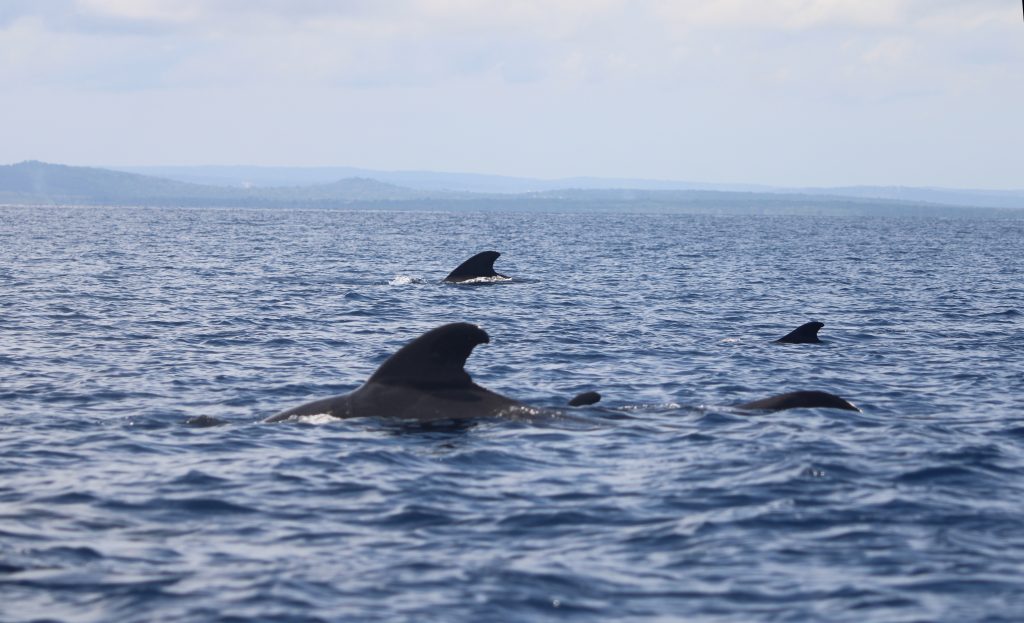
(525, 178)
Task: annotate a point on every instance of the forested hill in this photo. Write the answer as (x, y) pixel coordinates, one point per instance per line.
(39, 183)
(42, 183)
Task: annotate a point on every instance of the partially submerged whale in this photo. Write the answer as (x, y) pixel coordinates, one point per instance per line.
(424, 381)
(480, 266)
(806, 333)
(798, 400)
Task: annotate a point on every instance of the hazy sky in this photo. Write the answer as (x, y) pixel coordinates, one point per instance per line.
(786, 92)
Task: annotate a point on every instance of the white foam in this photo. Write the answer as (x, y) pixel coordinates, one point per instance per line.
(317, 418)
(403, 280)
(494, 279)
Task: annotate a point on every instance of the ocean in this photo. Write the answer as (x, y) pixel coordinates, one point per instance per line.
(660, 503)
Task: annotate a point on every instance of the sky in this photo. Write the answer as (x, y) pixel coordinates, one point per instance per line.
(778, 92)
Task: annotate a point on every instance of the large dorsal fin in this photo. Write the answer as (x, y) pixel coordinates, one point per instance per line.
(806, 333)
(480, 265)
(434, 359)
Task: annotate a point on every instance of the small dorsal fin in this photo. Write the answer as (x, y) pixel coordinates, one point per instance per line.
(434, 359)
(806, 333)
(480, 265)
(799, 400)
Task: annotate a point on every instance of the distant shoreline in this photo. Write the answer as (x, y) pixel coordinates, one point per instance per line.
(867, 210)
(42, 184)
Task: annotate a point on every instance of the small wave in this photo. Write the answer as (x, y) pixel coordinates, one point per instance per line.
(552, 519)
(416, 516)
(1017, 431)
(196, 477)
(280, 341)
(205, 506)
(938, 473)
(1008, 313)
(62, 555)
(74, 497)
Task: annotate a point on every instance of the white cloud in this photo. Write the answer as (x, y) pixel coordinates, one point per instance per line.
(173, 11)
(430, 41)
(626, 76)
(784, 14)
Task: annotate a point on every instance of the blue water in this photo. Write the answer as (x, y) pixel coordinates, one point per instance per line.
(660, 503)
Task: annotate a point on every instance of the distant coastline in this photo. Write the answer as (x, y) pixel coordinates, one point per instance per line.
(35, 183)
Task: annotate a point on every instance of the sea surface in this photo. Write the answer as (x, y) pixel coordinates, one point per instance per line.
(660, 503)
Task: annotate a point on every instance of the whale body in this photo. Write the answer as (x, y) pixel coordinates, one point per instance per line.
(806, 333)
(425, 380)
(480, 266)
(798, 400)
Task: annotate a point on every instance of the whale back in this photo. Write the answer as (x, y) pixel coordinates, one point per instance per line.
(480, 265)
(799, 400)
(806, 333)
(435, 359)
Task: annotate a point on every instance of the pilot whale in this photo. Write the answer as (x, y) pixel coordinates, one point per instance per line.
(425, 380)
(798, 400)
(479, 266)
(806, 333)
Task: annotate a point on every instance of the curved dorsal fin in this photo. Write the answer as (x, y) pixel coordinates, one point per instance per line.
(480, 265)
(435, 358)
(806, 333)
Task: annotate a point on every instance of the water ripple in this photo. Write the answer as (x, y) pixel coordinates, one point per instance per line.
(662, 502)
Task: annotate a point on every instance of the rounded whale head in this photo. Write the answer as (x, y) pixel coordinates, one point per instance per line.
(585, 399)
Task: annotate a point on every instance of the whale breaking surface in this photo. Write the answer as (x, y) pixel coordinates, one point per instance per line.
(426, 381)
(477, 269)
